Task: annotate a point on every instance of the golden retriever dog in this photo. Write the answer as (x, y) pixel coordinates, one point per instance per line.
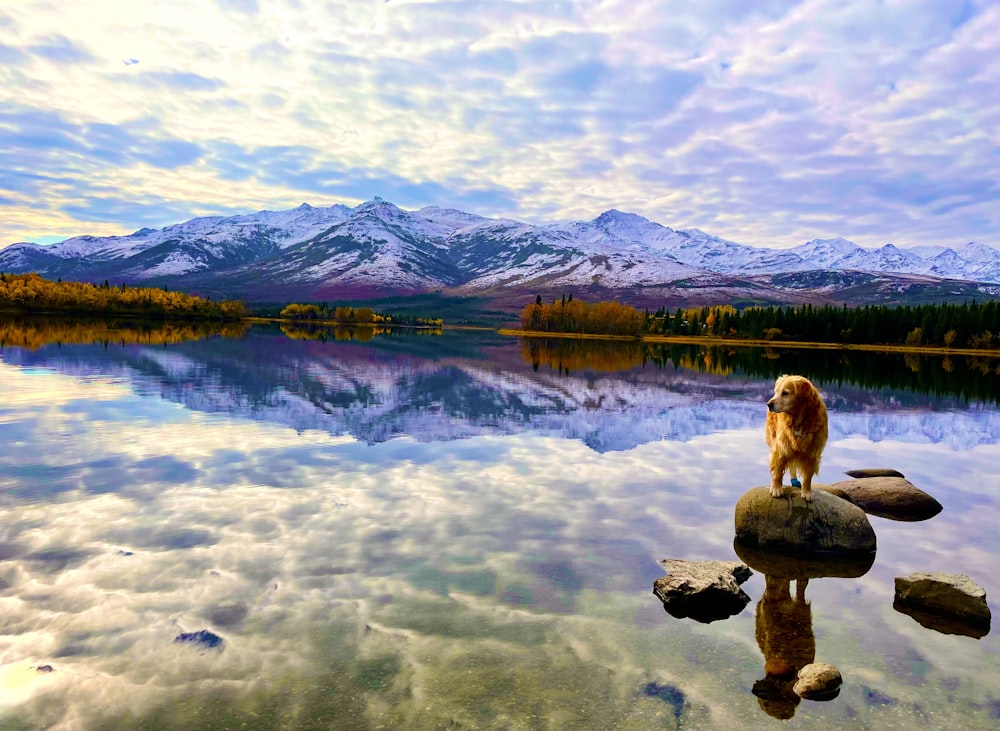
(796, 432)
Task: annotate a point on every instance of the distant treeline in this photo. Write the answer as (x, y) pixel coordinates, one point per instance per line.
(969, 325)
(347, 315)
(32, 294)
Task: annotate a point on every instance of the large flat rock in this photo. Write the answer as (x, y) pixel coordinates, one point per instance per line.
(829, 524)
(886, 496)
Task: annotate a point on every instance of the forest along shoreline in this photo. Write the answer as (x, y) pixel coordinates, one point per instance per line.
(945, 329)
(968, 328)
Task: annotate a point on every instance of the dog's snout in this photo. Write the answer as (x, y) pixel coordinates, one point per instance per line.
(770, 405)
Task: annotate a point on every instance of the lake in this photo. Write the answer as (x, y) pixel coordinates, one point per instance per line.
(302, 529)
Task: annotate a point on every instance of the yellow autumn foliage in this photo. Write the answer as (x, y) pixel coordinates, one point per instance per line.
(34, 294)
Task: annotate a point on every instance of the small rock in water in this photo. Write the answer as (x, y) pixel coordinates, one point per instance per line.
(874, 472)
(953, 597)
(202, 637)
(705, 591)
(44, 669)
(818, 681)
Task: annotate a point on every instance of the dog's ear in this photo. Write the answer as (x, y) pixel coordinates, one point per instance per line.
(813, 408)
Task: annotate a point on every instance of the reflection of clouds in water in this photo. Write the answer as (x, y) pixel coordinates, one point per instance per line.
(483, 581)
(42, 388)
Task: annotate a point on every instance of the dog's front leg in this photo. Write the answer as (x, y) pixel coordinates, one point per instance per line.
(807, 480)
(778, 465)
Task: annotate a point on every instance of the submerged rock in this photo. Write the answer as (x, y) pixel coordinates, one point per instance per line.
(705, 591)
(202, 638)
(669, 694)
(892, 497)
(818, 681)
(828, 524)
(948, 603)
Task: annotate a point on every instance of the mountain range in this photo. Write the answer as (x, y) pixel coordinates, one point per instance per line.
(377, 249)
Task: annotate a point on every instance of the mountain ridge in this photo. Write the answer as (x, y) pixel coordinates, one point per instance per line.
(378, 248)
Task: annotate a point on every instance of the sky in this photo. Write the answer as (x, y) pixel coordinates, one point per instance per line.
(768, 123)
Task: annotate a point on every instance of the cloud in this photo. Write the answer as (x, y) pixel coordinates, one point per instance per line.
(249, 7)
(301, 168)
(10, 55)
(60, 49)
(180, 81)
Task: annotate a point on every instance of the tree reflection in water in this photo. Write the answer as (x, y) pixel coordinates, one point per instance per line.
(32, 333)
(968, 377)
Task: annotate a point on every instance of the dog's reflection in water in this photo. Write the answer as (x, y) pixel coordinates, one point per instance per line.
(785, 636)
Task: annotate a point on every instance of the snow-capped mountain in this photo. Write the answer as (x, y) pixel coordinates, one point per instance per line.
(377, 247)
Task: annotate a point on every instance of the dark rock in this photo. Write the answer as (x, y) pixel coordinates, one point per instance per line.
(949, 603)
(874, 697)
(818, 681)
(202, 638)
(45, 669)
(789, 564)
(705, 591)
(874, 472)
(895, 498)
(827, 525)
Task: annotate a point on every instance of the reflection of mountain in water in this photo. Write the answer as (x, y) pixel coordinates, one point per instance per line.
(481, 385)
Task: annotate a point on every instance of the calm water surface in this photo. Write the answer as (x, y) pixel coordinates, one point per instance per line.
(456, 531)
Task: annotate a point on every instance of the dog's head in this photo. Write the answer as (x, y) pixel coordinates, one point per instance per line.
(793, 395)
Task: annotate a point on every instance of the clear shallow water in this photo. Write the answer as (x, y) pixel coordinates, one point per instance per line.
(422, 532)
